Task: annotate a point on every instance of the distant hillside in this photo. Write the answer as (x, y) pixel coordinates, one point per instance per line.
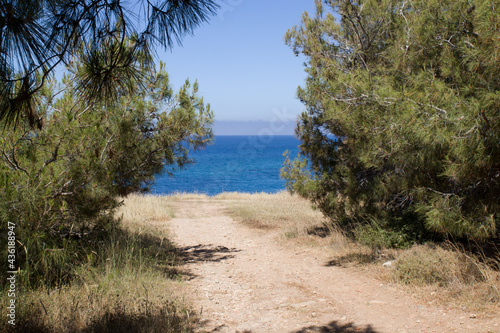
(230, 127)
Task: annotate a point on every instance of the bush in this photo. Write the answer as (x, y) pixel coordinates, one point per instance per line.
(394, 232)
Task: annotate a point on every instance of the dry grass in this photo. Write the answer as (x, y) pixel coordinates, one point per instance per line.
(140, 210)
(118, 302)
(460, 278)
(298, 221)
(131, 291)
(269, 211)
(242, 196)
(180, 196)
(127, 284)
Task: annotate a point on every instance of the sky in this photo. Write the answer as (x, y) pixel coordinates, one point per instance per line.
(243, 67)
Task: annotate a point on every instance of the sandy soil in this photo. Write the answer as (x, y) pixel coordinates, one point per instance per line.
(246, 280)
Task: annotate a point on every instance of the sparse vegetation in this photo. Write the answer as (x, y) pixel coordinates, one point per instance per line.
(139, 209)
(269, 211)
(129, 282)
(125, 301)
(187, 196)
(463, 278)
(126, 283)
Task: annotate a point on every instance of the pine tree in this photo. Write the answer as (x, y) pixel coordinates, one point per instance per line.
(60, 185)
(402, 120)
(37, 36)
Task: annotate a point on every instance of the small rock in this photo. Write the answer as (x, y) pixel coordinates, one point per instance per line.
(388, 263)
(472, 316)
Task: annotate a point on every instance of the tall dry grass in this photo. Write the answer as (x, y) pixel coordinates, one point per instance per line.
(127, 283)
(456, 276)
(126, 301)
(143, 210)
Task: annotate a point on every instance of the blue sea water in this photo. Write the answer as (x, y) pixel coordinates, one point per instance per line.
(233, 163)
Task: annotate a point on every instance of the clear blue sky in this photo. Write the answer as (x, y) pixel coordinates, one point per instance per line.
(243, 67)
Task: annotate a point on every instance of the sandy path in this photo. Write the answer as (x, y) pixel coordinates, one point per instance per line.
(244, 281)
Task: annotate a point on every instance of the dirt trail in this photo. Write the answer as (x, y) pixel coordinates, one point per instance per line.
(243, 280)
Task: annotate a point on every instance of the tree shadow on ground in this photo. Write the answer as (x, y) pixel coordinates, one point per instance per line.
(220, 328)
(160, 253)
(164, 321)
(205, 253)
(320, 231)
(336, 327)
(333, 327)
(352, 258)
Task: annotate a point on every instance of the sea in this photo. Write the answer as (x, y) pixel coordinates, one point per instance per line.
(248, 164)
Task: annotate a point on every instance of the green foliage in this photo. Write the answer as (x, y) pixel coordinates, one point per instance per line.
(38, 36)
(402, 115)
(60, 184)
(376, 236)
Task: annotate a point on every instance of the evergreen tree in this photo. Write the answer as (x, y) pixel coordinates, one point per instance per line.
(36, 36)
(402, 121)
(60, 184)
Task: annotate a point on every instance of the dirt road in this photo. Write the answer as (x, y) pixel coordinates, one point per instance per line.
(245, 280)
